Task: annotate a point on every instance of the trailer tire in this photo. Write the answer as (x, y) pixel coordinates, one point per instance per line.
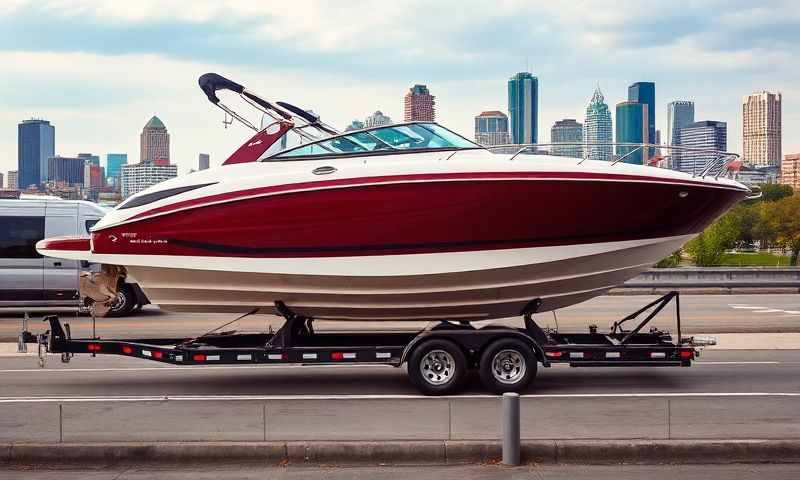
(124, 303)
(437, 367)
(507, 365)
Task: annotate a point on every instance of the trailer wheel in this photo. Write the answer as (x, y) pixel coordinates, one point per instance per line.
(507, 365)
(124, 303)
(437, 367)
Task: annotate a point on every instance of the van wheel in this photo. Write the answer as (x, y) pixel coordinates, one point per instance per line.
(507, 365)
(124, 303)
(437, 367)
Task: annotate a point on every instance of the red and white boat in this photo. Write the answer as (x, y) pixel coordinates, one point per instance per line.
(402, 222)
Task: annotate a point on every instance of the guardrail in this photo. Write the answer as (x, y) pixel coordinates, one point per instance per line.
(717, 277)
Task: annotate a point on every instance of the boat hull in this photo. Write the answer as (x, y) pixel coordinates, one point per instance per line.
(411, 246)
(574, 274)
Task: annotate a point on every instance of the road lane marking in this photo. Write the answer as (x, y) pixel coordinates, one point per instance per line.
(216, 398)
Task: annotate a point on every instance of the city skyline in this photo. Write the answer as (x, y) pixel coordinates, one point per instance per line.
(715, 59)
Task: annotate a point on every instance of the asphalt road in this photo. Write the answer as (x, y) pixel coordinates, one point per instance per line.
(699, 314)
(732, 371)
(460, 472)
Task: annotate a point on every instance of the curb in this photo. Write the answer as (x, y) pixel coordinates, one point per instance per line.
(643, 452)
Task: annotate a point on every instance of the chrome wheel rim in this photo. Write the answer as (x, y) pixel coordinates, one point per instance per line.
(508, 367)
(437, 367)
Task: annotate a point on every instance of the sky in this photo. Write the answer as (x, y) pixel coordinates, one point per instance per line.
(99, 69)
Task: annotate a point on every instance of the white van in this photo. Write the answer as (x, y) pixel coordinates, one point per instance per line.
(29, 279)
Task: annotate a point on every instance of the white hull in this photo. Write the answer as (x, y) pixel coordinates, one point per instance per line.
(477, 286)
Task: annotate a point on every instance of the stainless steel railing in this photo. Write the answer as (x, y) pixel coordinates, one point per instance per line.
(717, 163)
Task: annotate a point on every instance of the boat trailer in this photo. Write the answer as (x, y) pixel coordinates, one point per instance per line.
(438, 356)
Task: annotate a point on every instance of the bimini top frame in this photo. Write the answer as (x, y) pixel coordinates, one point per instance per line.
(306, 124)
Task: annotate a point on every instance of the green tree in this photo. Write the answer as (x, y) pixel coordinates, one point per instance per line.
(772, 192)
(784, 219)
(707, 248)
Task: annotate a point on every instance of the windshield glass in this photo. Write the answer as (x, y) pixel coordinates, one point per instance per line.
(392, 138)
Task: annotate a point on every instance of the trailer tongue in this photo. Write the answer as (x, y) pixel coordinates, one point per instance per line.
(438, 357)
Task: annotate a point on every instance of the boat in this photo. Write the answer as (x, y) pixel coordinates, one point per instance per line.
(408, 221)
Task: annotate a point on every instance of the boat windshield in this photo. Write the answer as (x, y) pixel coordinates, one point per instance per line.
(411, 136)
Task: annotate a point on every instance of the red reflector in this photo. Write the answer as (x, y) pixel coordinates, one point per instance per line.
(337, 356)
(199, 357)
(93, 347)
(554, 354)
(158, 354)
(127, 350)
(687, 354)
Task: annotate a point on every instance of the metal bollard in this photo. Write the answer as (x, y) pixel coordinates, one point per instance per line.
(22, 347)
(511, 429)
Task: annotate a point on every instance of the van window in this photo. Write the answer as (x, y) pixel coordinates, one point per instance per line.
(18, 236)
(90, 224)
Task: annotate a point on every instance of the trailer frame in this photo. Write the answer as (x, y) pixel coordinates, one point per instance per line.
(454, 347)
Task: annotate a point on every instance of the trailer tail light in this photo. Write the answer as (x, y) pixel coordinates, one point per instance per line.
(93, 347)
(127, 350)
(554, 354)
(157, 354)
(343, 356)
(199, 357)
(687, 354)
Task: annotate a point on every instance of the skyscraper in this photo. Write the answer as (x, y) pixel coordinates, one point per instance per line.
(523, 108)
(419, 104)
(491, 128)
(154, 142)
(138, 176)
(67, 170)
(761, 129)
(632, 128)
(114, 163)
(707, 135)
(679, 114)
(93, 159)
(597, 129)
(376, 120)
(570, 132)
(12, 180)
(203, 161)
(645, 92)
(36, 143)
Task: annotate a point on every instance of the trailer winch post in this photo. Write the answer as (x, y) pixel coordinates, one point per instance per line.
(511, 433)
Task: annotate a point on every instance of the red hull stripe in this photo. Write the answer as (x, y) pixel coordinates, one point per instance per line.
(232, 196)
(72, 244)
(423, 217)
